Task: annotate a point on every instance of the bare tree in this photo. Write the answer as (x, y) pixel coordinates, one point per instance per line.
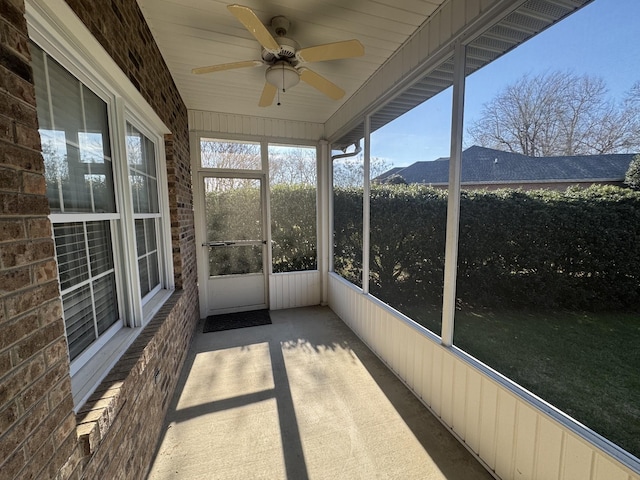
(292, 165)
(349, 172)
(228, 154)
(556, 113)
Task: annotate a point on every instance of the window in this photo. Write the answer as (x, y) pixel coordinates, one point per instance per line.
(408, 216)
(79, 175)
(144, 193)
(292, 176)
(230, 155)
(87, 281)
(107, 226)
(348, 185)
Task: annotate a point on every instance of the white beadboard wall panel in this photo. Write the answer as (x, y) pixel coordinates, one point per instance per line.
(548, 450)
(505, 433)
(488, 422)
(459, 419)
(511, 436)
(436, 378)
(440, 30)
(294, 289)
(604, 468)
(526, 435)
(230, 124)
(578, 459)
(473, 400)
(446, 384)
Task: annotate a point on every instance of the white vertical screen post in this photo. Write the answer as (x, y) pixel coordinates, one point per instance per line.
(265, 191)
(453, 203)
(324, 234)
(366, 205)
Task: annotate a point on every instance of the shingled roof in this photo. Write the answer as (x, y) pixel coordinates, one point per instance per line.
(482, 165)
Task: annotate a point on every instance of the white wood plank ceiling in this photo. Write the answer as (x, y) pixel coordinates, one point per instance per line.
(195, 33)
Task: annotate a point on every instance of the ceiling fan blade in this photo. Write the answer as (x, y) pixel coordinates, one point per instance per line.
(227, 66)
(251, 22)
(331, 51)
(268, 94)
(320, 83)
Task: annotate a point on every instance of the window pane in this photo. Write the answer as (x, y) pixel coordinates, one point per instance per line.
(408, 214)
(143, 270)
(75, 140)
(106, 306)
(142, 171)
(348, 184)
(100, 249)
(150, 228)
(88, 282)
(292, 172)
(235, 260)
(71, 253)
(78, 319)
(140, 238)
(232, 155)
(154, 273)
(233, 209)
(148, 267)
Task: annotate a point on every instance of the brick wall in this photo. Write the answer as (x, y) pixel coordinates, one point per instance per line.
(37, 424)
(115, 433)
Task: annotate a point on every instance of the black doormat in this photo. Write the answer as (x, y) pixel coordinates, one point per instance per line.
(228, 321)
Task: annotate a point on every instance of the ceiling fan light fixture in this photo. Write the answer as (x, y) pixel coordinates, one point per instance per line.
(282, 76)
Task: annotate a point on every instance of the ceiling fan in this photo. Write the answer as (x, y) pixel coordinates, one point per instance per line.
(284, 57)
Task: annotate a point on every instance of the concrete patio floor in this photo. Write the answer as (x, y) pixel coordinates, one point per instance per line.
(300, 399)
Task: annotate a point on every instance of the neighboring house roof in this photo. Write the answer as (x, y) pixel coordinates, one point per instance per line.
(482, 165)
(388, 173)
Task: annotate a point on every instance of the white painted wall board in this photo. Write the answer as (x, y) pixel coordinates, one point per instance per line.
(436, 381)
(459, 412)
(525, 444)
(447, 388)
(577, 459)
(604, 468)
(548, 450)
(472, 400)
(488, 422)
(505, 430)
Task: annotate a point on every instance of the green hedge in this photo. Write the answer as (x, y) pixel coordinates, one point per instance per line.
(293, 228)
(578, 249)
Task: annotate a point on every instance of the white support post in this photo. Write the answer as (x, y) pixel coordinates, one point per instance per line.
(366, 205)
(453, 204)
(324, 234)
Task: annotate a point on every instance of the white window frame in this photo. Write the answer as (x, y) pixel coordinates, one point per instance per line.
(55, 28)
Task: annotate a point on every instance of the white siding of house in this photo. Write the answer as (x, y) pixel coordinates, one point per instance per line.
(510, 436)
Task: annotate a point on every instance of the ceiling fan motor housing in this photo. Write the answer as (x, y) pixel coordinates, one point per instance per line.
(288, 49)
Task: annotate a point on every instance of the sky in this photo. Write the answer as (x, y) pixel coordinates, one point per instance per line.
(600, 40)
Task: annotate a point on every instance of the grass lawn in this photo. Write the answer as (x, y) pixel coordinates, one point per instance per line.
(585, 364)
